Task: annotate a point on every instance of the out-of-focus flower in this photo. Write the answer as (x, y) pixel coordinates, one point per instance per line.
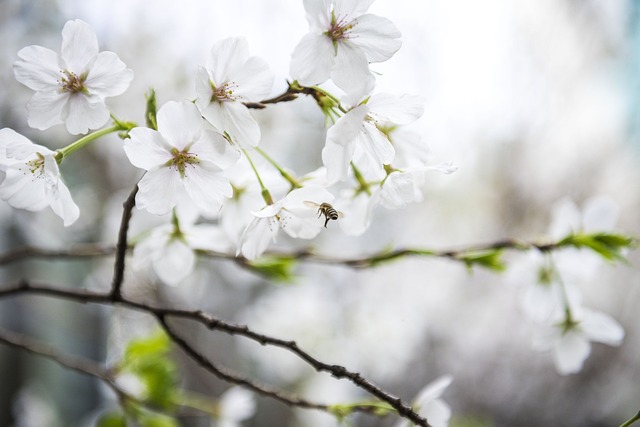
(342, 41)
(230, 78)
(71, 87)
(569, 337)
(32, 179)
(234, 406)
(293, 214)
(356, 135)
(182, 160)
(170, 248)
(430, 406)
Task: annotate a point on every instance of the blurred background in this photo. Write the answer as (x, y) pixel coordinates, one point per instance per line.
(535, 101)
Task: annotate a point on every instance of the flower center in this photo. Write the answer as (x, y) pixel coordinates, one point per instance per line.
(340, 27)
(224, 92)
(71, 82)
(34, 167)
(181, 160)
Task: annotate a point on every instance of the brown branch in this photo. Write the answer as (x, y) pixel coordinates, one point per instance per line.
(75, 252)
(121, 245)
(96, 250)
(78, 364)
(213, 323)
(232, 377)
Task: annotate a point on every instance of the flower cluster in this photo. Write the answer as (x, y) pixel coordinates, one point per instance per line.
(205, 153)
(551, 297)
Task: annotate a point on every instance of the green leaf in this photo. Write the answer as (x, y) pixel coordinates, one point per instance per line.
(150, 361)
(275, 267)
(158, 420)
(491, 259)
(607, 245)
(112, 419)
(150, 114)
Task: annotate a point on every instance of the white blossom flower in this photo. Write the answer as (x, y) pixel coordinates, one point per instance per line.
(429, 405)
(230, 78)
(342, 41)
(71, 87)
(292, 213)
(234, 406)
(182, 160)
(32, 179)
(356, 135)
(569, 337)
(170, 248)
(404, 186)
(247, 197)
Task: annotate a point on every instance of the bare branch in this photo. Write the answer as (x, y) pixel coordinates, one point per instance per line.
(233, 377)
(78, 364)
(213, 323)
(121, 246)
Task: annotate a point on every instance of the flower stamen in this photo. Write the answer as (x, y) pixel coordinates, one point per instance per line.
(224, 92)
(71, 82)
(182, 159)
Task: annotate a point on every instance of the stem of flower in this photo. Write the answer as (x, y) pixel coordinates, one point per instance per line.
(76, 145)
(363, 184)
(331, 97)
(264, 191)
(632, 420)
(291, 180)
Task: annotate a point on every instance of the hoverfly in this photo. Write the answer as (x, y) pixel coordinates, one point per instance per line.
(329, 212)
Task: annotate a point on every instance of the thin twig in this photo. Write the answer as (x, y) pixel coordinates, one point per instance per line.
(232, 377)
(78, 364)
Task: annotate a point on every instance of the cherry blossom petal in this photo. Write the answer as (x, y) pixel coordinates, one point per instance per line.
(433, 390)
(254, 80)
(336, 158)
(351, 70)
(601, 327)
(59, 196)
(357, 215)
(235, 119)
(570, 352)
(179, 123)
(84, 113)
(376, 144)
(340, 145)
(109, 76)
(312, 59)
(227, 58)
(236, 404)
(398, 190)
(146, 148)
(399, 109)
(175, 263)
(19, 147)
(318, 14)
(23, 193)
(204, 90)
(79, 46)
(300, 227)
(353, 8)
(376, 36)
(214, 148)
(159, 190)
(437, 412)
(39, 69)
(207, 237)
(257, 236)
(45, 109)
(207, 187)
